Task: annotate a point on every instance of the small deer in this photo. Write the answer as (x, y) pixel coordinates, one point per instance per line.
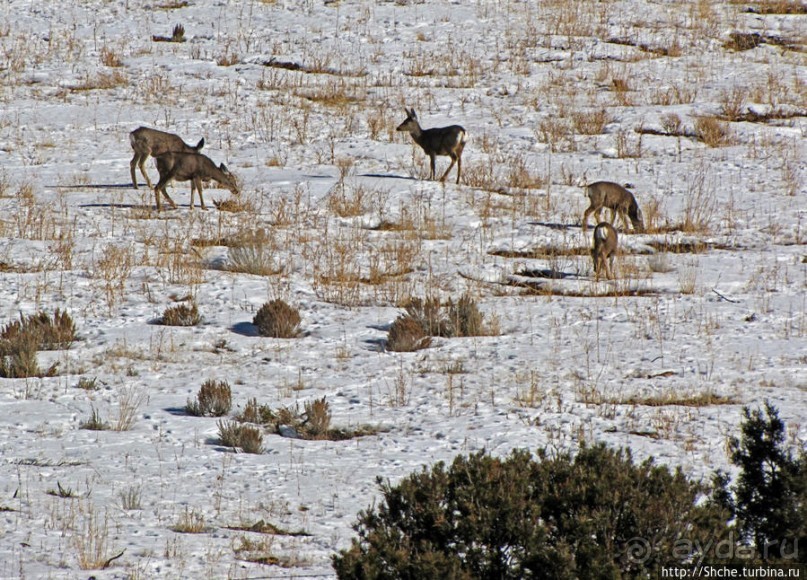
(448, 141)
(153, 142)
(193, 167)
(605, 244)
(616, 198)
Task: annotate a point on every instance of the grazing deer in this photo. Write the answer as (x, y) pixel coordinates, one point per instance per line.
(616, 198)
(152, 142)
(448, 141)
(604, 251)
(193, 167)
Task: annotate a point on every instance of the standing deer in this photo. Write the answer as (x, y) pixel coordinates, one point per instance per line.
(448, 141)
(152, 142)
(193, 167)
(605, 244)
(616, 198)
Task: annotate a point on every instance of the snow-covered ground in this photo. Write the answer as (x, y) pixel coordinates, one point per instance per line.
(300, 99)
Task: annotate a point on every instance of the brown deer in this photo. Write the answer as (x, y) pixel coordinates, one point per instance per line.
(193, 167)
(605, 194)
(153, 142)
(604, 251)
(448, 141)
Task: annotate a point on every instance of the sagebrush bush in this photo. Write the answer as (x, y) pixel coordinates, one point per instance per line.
(314, 422)
(181, 315)
(18, 357)
(213, 399)
(21, 339)
(428, 314)
(406, 334)
(464, 318)
(427, 318)
(317, 418)
(595, 515)
(250, 439)
(229, 432)
(255, 413)
(51, 333)
(278, 320)
(246, 437)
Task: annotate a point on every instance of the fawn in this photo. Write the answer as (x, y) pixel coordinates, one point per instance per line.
(153, 142)
(193, 167)
(616, 198)
(604, 251)
(448, 141)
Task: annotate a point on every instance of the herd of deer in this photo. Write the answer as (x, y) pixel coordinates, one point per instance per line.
(178, 161)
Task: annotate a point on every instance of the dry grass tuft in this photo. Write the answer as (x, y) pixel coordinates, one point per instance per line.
(95, 422)
(672, 399)
(191, 522)
(591, 122)
(777, 7)
(103, 81)
(255, 252)
(110, 58)
(130, 400)
(91, 543)
(713, 132)
(234, 205)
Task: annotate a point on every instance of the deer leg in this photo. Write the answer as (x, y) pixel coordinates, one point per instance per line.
(609, 267)
(160, 188)
(199, 189)
(193, 190)
(453, 161)
(587, 213)
(132, 167)
(432, 159)
(459, 168)
(143, 169)
(626, 221)
(157, 192)
(168, 197)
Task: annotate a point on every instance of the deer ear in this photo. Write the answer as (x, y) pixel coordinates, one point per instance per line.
(413, 114)
(223, 167)
(200, 144)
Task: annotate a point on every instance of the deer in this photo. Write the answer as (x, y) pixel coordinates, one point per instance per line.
(604, 250)
(193, 167)
(616, 198)
(152, 142)
(448, 141)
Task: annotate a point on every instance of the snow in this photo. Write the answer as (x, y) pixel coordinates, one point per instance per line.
(570, 354)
